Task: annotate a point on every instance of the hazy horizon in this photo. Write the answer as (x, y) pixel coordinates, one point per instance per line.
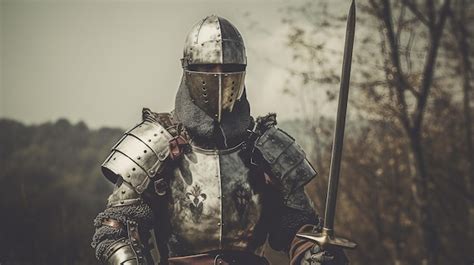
(102, 61)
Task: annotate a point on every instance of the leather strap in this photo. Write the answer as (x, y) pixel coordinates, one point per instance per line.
(299, 246)
(220, 258)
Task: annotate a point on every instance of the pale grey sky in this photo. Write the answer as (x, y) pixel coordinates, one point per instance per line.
(102, 61)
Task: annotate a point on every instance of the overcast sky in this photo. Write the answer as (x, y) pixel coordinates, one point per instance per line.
(102, 61)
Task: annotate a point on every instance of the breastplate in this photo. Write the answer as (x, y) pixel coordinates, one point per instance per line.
(213, 203)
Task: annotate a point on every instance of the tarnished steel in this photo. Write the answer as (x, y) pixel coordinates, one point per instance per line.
(215, 92)
(138, 156)
(287, 162)
(121, 252)
(214, 205)
(327, 237)
(214, 40)
(122, 195)
(336, 154)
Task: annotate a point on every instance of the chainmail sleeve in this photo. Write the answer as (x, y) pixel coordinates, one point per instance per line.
(121, 227)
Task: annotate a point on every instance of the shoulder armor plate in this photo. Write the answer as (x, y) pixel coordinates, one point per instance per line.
(122, 195)
(287, 162)
(138, 155)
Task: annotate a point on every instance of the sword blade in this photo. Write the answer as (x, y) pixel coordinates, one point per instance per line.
(340, 124)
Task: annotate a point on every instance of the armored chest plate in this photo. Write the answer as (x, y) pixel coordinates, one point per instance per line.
(214, 204)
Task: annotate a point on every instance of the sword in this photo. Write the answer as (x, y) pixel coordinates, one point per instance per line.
(327, 238)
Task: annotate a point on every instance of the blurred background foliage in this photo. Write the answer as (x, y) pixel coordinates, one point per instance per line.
(406, 192)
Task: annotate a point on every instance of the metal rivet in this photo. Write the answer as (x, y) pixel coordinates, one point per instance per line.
(161, 131)
(128, 176)
(149, 140)
(139, 158)
(123, 192)
(152, 172)
(144, 151)
(114, 158)
(155, 134)
(122, 202)
(133, 169)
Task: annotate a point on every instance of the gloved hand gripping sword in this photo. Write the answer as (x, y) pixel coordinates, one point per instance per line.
(327, 238)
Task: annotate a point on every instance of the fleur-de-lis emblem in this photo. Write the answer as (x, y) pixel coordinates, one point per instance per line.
(196, 199)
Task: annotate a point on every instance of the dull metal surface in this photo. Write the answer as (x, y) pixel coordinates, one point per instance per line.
(123, 194)
(215, 92)
(138, 155)
(288, 164)
(121, 252)
(214, 40)
(214, 205)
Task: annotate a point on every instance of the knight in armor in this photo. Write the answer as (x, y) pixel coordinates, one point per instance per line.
(207, 183)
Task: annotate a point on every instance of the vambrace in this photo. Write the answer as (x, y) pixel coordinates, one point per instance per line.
(118, 231)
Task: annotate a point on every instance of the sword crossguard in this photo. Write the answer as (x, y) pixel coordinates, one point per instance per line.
(327, 239)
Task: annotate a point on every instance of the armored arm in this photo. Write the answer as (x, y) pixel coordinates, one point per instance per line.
(119, 228)
(122, 229)
(286, 164)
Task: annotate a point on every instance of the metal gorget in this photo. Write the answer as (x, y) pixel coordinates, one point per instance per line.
(214, 205)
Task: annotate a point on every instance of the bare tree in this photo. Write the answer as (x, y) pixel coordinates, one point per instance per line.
(406, 92)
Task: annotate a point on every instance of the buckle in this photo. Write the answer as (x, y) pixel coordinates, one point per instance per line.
(160, 187)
